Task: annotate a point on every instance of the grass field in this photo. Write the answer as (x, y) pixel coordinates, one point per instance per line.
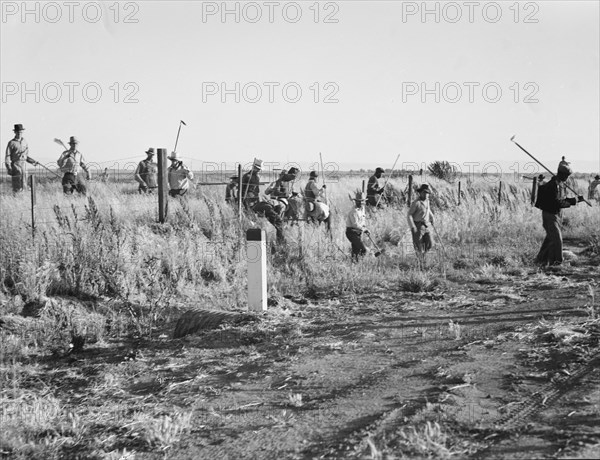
(100, 269)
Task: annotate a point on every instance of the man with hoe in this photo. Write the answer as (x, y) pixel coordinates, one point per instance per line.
(419, 216)
(551, 200)
(374, 189)
(70, 162)
(251, 185)
(146, 173)
(356, 226)
(179, 176)
(17, 157)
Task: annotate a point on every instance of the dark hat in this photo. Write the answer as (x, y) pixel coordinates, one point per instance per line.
(359, 197)
(379, 170)
(150, 151)
(313, 174)
(424, 188)
(564, 168)
(73, 140)
(18, 127)
(234, 178)
(541, 176)
(293, 170)
(597, 177)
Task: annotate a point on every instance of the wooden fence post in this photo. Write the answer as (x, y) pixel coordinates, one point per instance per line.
(32, 187)
(459, 193)
(163, 186)
(239, 197)
(410, 188)
(534, 191)
(364, 186)
(500, 192)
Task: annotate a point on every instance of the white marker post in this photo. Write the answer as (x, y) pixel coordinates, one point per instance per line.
(256, 256)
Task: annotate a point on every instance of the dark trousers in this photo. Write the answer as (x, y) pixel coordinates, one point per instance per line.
(175, 192)
(273, 217)
(422, 238)
(71, 182)
(551, 250)
(354, 235)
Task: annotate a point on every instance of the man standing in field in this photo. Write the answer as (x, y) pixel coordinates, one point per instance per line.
(231, 190)
(69, 163)
(374, 189)
(592, 189)
(179, 176)
(419, 216)
(251, 185)
(356, 226)
(17, 157)
(146, 173)
(551, 200)
(312, 192)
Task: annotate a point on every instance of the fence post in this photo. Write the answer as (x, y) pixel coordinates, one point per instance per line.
(459, 193)
(239, 197)
(256, 258)
(410, 188)
(500, 192)
(363, 186)
(534, 191)
(32, 187)
(163, 186)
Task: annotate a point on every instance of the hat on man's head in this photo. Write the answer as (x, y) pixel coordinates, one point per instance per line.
(174, 157)
(18, 127)
(597, 177)
(359, 197)
(73, 140)
(564, 168)
(257, 164)
(234, 178)
(150, 151)
(283, 172)
(379, 170)
(424, 188)
(313, 174)
(541, 176)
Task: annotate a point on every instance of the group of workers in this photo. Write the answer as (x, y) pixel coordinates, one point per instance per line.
(280, 196)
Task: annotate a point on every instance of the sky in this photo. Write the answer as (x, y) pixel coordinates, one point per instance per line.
(355, 82)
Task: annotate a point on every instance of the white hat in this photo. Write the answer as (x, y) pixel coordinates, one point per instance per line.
(257, 164)
(174, 157)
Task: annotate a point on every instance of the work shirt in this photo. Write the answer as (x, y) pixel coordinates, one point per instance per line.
(357, 219)
(70, 161)
(146, 173)
(179, 177)
(373, 187)
(17, 151)
(250, 185)
(556, 198)
(419, 212)
(312, 192)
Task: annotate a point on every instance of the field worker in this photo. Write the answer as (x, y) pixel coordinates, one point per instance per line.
(592, 189)
(104, 176)
(312, 192)
(355, 226)
(419, 216)
(551, 199)
(17, 157)
(146, 173)
(231, 190)
(251, 185)
(70, 163)
(275, 188)
(374, 189)
(270, 209)
(179, 176)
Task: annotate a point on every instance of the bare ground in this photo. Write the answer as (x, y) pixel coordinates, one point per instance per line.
(477, 368)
